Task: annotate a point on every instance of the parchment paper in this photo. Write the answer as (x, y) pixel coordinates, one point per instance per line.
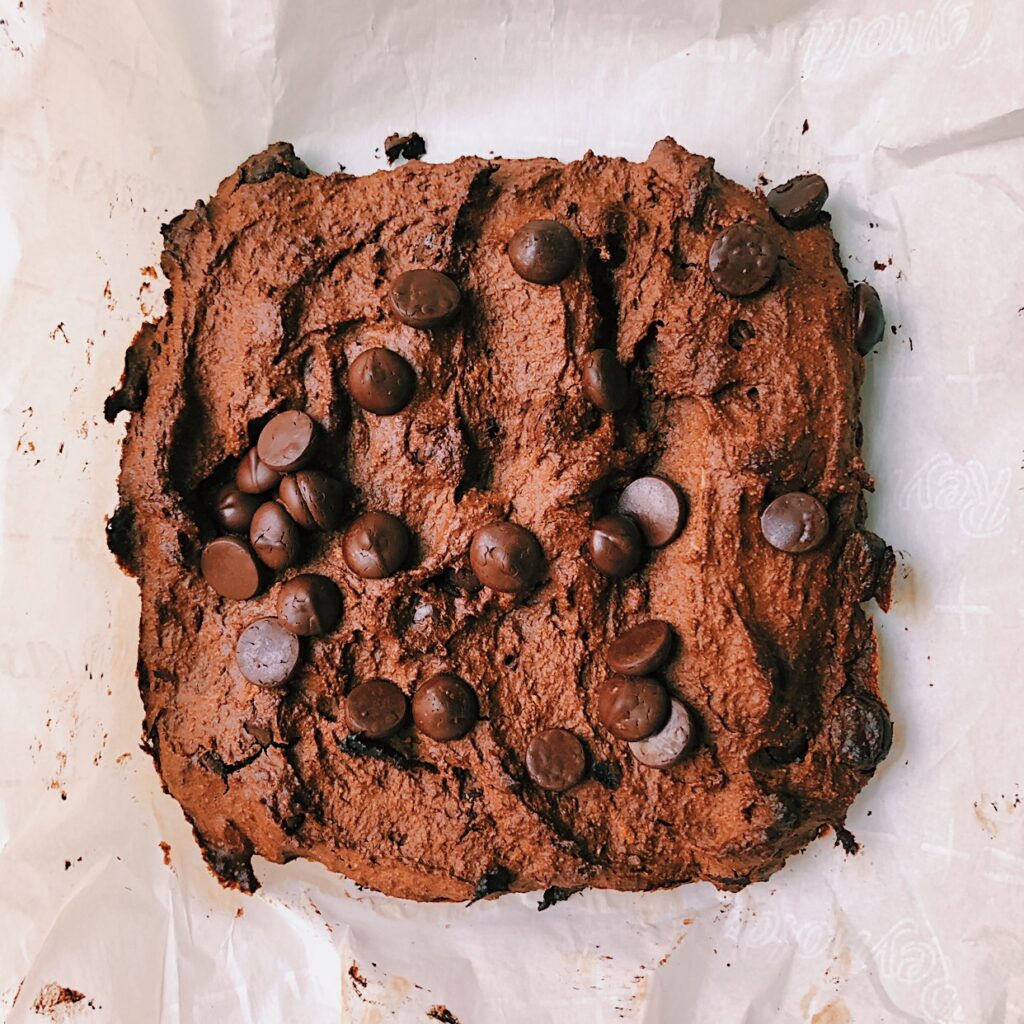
(117, 114)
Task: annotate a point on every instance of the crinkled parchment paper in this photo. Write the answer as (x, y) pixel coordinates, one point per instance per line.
(117, 114)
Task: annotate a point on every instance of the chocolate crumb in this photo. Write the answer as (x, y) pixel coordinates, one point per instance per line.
(556, 894)
(357, 978)
(408, 147)
(845, 839)
(443, 1014)
(806, 127)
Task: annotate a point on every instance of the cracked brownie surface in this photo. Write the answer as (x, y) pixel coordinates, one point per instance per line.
(276, 286)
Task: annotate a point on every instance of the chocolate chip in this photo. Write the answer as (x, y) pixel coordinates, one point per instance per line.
(642, 649)
(267, 653)
(742, 260)
(506, 557)
(555, 759)
(632, 708)
(670, 743)
(233, 509)
(312, 498)
(795, 522)
(309, 604)
(869, 318)
(377, 709)
(444, 708)
(274, 536)
(605, 380)
(658, 507)
(375, 545)
(287, 442)
(253, 476)
(543, 251)
(615, 545)
(424, 298)
(797, 203)
(861, 731)
(381, 381)
(230, 567)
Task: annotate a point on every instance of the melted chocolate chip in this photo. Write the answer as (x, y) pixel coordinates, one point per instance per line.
(309, 604)
(605, 381)
(381, 381)
(254, 476)
(631, 707)
(506, 557)
(869, 318)
(376, 545)
(658, 507)
(795, 522)
(274, 536)
(424, 298)
(444, 708)
(230, 567)
(313, 499)
(267, 653)
(376, 709)
(287, 442)
(543, 251)
(233, 509)
(670, 744)
(555, 759)
(615, 545)
(742, 260)
(861, 731)
(642, 649)
(797, 203)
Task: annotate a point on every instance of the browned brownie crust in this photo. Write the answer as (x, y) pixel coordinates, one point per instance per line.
(275, 286)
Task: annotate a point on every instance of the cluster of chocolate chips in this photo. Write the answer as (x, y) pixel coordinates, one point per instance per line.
(444, 708)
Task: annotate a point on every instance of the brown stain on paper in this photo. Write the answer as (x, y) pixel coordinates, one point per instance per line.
(835, 1013)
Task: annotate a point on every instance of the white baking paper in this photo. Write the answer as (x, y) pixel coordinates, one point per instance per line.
(117, 114)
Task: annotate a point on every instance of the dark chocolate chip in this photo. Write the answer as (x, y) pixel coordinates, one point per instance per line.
(861, 731)
(312, 498)
(253, 476)
(658, 507)
(267, 653)
(230, 567)
(287, 442)
(506, 557)
(555, 759)
(632, 707)
(642, 649)
(309, 604)
(556, 894)
(274, 535)
(381, 381)
(615, 545)
(795, 522)
(605, 380)
(424, 298)
(376, 545)
(869, 318)
(797, 203)
(670, 744)
(543, 251)
(445, 708)
(376, 709)
(233, 509)
(742, 260)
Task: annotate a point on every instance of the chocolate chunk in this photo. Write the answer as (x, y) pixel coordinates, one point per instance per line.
(543, 251)
(605, 381)
(376, 545)
(359, 746)
(556, 894)
(233, 509)
(376, 709)
(555, 759)
(424, 298)
(309, 604)
(861, 731)
(275, 536)
(312, 499)
(494, 880)
(230, 567)
(615, 545)
(381, 381)
(506, 557)
(642, 649)
(797, 203)
(742, 260)
(795, 522)
(267, 653)
(409, 147)
(287, 442)
(254, 476)
(632, 707)
(869, 318)
(658, 507)
(444, 708)
(670, 743)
